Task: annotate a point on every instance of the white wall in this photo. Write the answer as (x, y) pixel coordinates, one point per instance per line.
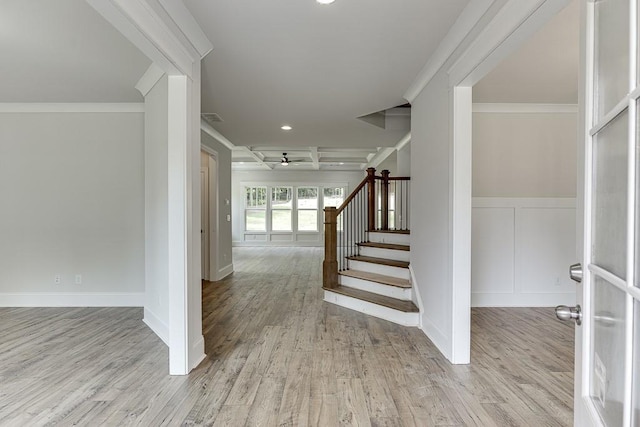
(485, 34)
(72, 193)
(523, 218)
(224, 255)
(239, 178)
(524, 154)
(404, 160)
(390, 164)
(431, 209)
(156, 307)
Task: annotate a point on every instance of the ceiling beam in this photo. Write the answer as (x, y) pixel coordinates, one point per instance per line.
(257, 158)
(206, 127)
(315, 159)
(379, 157)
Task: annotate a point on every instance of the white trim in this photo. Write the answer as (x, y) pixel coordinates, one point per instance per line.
(514, 23)
(415, 294)
(163, 32)
(156, 325)
(72, 299)
(375, 310)
(224, 272)
(524, 108)
(404, 141)
(468, 19)
(524, 202)
(461, 182)
(196, 354)
(207, 128)
(149, 79)
(72, 107)
(440, 340)
(208, 150)
(178, 219)
(188, 25)
(483, 299)
(379, 157)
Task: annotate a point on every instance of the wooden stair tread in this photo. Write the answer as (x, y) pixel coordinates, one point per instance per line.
(392, 231)
(381, 261)
(393, 246)
(396, 304)
(378, 278)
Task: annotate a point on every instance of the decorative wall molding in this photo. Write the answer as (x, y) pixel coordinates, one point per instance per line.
(149, 79)
(521, 248)
(460, 29)
(524, 108)
(163, 30)
(208, 129)
(514, 23)
(72, 299)
(72, 107)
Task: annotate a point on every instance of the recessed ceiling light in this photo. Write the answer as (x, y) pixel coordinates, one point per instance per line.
(341, 163)
(325, 1)
(286, 127)
(242, 163)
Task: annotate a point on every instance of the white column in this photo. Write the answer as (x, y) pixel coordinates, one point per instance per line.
(178, 165)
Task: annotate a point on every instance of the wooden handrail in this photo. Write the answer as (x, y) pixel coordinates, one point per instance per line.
(358, 215)
(395, 178)
(352, 195)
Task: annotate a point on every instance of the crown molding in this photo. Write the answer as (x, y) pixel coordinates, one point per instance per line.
(206, 127)
(163, 30)
(149, 79)
(468, 19)
(524, 108)
(72, 107)
(514, 23)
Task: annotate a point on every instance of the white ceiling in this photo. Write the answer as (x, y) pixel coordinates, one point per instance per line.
(315, 67)
(544, 70)
(64, 51)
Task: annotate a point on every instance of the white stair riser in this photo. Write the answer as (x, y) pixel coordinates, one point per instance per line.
(384, 253)
(395, 238)
(401, 273)
(386, 313)
(376, 288)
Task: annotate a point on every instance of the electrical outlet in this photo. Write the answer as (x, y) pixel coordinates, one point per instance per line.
(57, 279)
(78, 279)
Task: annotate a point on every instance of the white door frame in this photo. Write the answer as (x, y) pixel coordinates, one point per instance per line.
(167, 33)
(514, 24)
(214, 208)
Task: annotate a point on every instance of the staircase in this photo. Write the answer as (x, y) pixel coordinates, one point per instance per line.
(366, 265)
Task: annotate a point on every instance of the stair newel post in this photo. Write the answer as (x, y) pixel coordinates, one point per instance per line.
(330, 263)
(371, 199)
(385, 199)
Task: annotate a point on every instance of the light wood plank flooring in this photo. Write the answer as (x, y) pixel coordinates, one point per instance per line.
(279, 356)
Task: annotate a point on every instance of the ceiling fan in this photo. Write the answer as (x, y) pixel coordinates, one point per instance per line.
(284, 160)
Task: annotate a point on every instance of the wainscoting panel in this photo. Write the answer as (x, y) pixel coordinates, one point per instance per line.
(521, 252)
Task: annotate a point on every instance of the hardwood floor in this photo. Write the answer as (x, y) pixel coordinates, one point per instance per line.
(278, 355)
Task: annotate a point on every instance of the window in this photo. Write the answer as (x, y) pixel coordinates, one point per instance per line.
(281, 207)
(307, 209)
(333, 196)
(255, 208)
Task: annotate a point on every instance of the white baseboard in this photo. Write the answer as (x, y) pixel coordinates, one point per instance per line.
(415, 294)
(196, 355)
(224, 272)
(72, 299)
(250, 244)
(156, 325)
(437, 337)
(521, 300)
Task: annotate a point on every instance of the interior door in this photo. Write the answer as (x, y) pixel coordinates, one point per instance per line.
(607, 362)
